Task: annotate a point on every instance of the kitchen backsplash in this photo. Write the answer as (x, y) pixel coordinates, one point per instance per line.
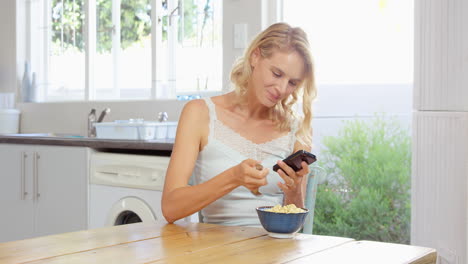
(71, 117)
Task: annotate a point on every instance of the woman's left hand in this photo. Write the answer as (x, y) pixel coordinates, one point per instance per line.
(293, 181)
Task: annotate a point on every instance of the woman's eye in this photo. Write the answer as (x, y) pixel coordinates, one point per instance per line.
(293, 83)
(276, 74)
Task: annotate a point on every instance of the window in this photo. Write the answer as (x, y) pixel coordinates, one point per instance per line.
(376, 36)
(125, 49)
(363, 53)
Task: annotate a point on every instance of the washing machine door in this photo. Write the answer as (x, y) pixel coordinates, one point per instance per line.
(130, 210)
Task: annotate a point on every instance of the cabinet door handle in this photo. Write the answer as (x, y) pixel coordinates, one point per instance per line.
(23, 176)
(36, 176)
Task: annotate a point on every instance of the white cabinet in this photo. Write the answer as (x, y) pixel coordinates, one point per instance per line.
(17, 214)
(43, 190)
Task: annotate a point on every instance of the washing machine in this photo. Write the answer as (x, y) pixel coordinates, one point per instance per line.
(125, 188)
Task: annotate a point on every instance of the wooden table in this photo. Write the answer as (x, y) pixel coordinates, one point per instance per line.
(159, 242)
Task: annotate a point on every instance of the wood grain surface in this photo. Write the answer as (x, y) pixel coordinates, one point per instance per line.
(159, 242)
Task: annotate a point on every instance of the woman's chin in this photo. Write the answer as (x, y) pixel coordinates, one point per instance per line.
(269, 103)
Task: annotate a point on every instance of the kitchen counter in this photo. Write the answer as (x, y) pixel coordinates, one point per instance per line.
(159, 242)
(118, 145)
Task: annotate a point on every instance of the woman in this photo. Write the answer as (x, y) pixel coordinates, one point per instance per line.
(221, 140)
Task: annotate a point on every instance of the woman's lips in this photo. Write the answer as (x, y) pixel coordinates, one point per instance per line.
(272, 97)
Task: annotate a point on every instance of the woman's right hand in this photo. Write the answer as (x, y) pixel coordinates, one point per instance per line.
(245, 174)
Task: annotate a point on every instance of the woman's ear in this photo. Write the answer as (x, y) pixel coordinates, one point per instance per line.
(255, 57)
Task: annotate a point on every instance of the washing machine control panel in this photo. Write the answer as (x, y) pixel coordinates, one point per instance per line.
(128, 170)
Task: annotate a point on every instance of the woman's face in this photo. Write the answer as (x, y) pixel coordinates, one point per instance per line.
(275, 78)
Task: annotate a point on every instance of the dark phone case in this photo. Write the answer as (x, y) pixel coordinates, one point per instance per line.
(294, 160)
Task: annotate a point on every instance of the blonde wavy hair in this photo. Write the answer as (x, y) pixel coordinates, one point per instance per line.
(282, 37)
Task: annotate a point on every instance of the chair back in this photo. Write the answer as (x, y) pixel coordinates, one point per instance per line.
(316, 176)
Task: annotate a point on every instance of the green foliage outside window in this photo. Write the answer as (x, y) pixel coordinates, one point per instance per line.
(67, 24)
(367, 193)
(135, 21)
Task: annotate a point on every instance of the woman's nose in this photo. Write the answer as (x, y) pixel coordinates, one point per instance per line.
(282, 85)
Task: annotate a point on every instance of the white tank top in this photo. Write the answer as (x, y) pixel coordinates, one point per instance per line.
(225, 149)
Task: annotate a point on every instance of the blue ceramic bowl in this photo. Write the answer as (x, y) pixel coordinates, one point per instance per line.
(281, 225)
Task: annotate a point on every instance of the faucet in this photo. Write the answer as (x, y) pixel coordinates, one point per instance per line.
(162, 116)
(92, 120)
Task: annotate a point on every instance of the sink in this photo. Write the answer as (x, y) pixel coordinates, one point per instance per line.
(49, 135)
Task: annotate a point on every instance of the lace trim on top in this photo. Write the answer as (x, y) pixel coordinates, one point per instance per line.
(247, 148)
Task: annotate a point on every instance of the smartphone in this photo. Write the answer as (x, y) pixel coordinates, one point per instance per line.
(294, 160)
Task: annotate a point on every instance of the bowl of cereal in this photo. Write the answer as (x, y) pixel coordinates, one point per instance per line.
(282, 221)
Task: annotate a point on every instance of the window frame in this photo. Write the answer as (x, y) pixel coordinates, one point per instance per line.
(38, 56)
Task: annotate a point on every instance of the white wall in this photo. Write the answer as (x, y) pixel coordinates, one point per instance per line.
(7, 46)
(238, 12)
(71, 117)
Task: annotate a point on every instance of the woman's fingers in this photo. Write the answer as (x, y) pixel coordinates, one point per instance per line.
(282, 186)
(257, 170)
(285, 188)
(304, 171)
(287, 180)
(285, 168)
(253, 184)
(290, 177)
(255, 175)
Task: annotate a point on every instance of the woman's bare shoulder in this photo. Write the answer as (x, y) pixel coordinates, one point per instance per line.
(195, 108)
(196, 104)
(193, 122)
(195, 113)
